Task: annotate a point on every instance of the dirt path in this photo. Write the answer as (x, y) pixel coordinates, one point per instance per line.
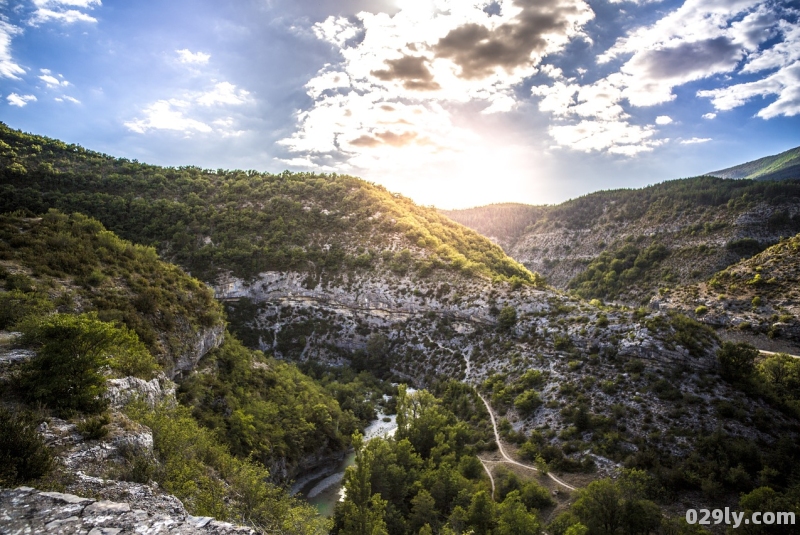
(770, 353)
(488, 473)
(509, 459)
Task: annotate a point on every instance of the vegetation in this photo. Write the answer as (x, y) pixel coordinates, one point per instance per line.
(23, 455)
(653, 203)
(72, 353)
(210, 481)
(71, 264)
(610, 274)
(427, 479)
(780, 166)
(264, 408)
(244, 222)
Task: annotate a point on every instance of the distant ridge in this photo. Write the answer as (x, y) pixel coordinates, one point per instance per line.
(781, 166)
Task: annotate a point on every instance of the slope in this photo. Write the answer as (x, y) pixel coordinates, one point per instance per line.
(756, 299)
(601, 245)
(213, 222)
(778, 167)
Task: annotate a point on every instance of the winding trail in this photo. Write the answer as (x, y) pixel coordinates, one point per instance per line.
(505, 455)
(488, 473)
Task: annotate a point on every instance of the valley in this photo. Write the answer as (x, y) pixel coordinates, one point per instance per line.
(272, 317)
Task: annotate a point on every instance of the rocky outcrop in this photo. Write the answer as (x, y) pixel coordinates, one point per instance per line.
(205, 341)
(26, 510)
(124, 390)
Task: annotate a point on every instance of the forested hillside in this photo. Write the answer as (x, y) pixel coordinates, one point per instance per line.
(243, 222)
(778, 167)
(757, 299)
(624, 245)
(89, 323)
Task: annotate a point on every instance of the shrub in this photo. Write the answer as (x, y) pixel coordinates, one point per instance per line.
(701, 310)
(94, 428)
(23, 454)
(736, 360)
(73, 351)
(507, 318)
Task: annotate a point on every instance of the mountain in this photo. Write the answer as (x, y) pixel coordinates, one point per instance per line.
(778, 167)
(624, 245)
(87, 408)
(342, 277)
(243, 222)
(756, 299)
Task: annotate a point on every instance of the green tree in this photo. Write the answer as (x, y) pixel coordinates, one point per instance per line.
(599, 507)
(514, 518)
(507, 318)
(72, 353)
(23, 454)
(423, 511)
(481, 513)
(737, 360)
(362, 513)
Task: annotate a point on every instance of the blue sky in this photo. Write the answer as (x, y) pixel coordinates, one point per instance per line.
(453, 103)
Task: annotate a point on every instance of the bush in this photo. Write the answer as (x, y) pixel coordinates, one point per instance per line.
(94, 428)
(73, 352)
(507, 318)
(736, 360)
(701, 310)
(23, 454)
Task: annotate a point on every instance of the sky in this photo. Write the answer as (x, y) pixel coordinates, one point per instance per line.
(453, 103)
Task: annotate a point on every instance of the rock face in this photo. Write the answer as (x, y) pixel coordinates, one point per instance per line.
(26, 510)
(121, 391)
(205, 341)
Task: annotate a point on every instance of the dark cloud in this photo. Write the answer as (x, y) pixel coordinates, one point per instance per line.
(479, 51)
(687, 59)
(412, 70)
(388, 138)
(365, 141)
(397, 140)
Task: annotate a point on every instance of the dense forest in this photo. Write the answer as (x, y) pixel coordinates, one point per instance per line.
(81, 296)
(244, 222)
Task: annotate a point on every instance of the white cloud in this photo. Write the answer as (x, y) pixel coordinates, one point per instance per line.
(68, 99)
(62, 11)
(783, 59)
(223, 93)
(51, 80)
(694, 140)
(197, 58)
(709, 115)
(194, 112)
(20, 100)
(696, 41)
(167, 115)
(615, 137)
(663, 119)
(401, 75)
(8, 67)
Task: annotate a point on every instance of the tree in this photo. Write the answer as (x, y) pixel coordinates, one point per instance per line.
(72, 353)
(480, 515)
(507, 318)
(514, 518)
(599, 507)
(423, 511)
(736, 360)
(362, 512)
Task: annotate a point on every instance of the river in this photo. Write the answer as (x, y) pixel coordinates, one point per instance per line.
(323, 492)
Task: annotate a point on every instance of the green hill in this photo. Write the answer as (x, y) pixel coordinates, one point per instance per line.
(597, 245)
(244, 222)
(757, 299)
(778, 167)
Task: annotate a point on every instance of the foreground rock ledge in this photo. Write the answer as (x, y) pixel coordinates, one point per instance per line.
(25, 510)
